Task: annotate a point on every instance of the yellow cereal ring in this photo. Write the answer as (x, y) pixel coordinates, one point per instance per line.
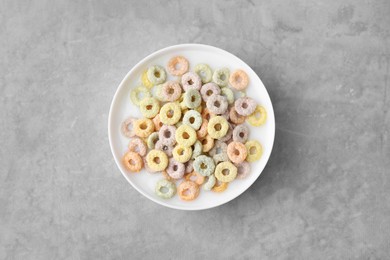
(220, 186)
(185, 135)
(143, 127)
(225, 172)
(254, 150)
(145, 81)
(258, 117)
(182, 154)
(149, 107)
(170, 113)
(157, 160)
(207, 143)
(217, 127)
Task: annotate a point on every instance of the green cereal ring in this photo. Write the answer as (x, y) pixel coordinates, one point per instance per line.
(138, 94)
(156, 75)
(204, 165)
(170, 113)
(193, 119)
(228, 93)
(192, 98)
(217, 127)
(182, 154)
(165, 189)
(254, 150)
(210, 182)
(221, 77)
(197, 149)
(152, 140)
(149, 107)
(185, 135)
(204, 72)
(157, 160)
(225, 172)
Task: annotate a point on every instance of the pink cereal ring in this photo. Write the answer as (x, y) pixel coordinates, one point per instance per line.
(170, 91)
(243, 169)
(208, 90)
(175, 169)
(191, 80)
(137, 145)
(167, 134)
(245, 106)
(177, 66)
(128, 127)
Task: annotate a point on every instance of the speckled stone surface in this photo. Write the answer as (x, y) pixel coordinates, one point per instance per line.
(325, 193)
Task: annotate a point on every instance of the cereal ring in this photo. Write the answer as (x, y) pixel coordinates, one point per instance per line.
(217, 104)
(207, 143)
(228, 93)
(202, 132)
(193, 119)
(175, 169)
(245, 106)
(217, 127)
(185, 135)
(239, 80)
(157, 160)
(204, 165)
(145, 81)
(177, 66)
(228, 135)
(204, 72)
(138, 94)
(149, 107)
(206, 114)
(137, 145)
(152, 140)
(156, 75)
(237, 152)
(240, 133)
(258, 117)
(170, 113)
(219, 152)
(210, 182)
(195, 177)
(188, 190)
(170, 91)
(189, 166)
(166, 148)
(132, 161)
(225, 172)
(192, 98)
(167, 134)
(165, 189)
(220, 186)
(235, 117)
(128, 127)
(221, 77)
(157, 122)
(182, 154)
(243, 169)
(143, 127)
(254, 150)
(191, 80)
(208, 90)
(197, 149)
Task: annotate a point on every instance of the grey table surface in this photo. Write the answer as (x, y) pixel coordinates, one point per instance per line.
(325, 193)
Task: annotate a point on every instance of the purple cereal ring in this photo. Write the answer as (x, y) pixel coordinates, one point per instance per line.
(241, 133)
(228, 135)
(217, 104)
(137, 145)
(208, 90)
(175, 169)
(170, 91)
(243, 169)
(167, 148)
(191, 80)
(167, 134)
(245, 106)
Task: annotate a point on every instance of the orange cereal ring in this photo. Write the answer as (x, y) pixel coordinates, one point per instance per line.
(220, 186)
(236, 152)
(128, 127)
(177, 66)
(157, 160)
(143, 127)
(132, 161)
(202, 132)
(157, 122)
(195, 177)
(239, 80)
(207, 143)
(235, 118)
(188, 190)
(206, 114)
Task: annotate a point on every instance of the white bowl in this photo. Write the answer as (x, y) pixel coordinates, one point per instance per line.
(121, 108)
